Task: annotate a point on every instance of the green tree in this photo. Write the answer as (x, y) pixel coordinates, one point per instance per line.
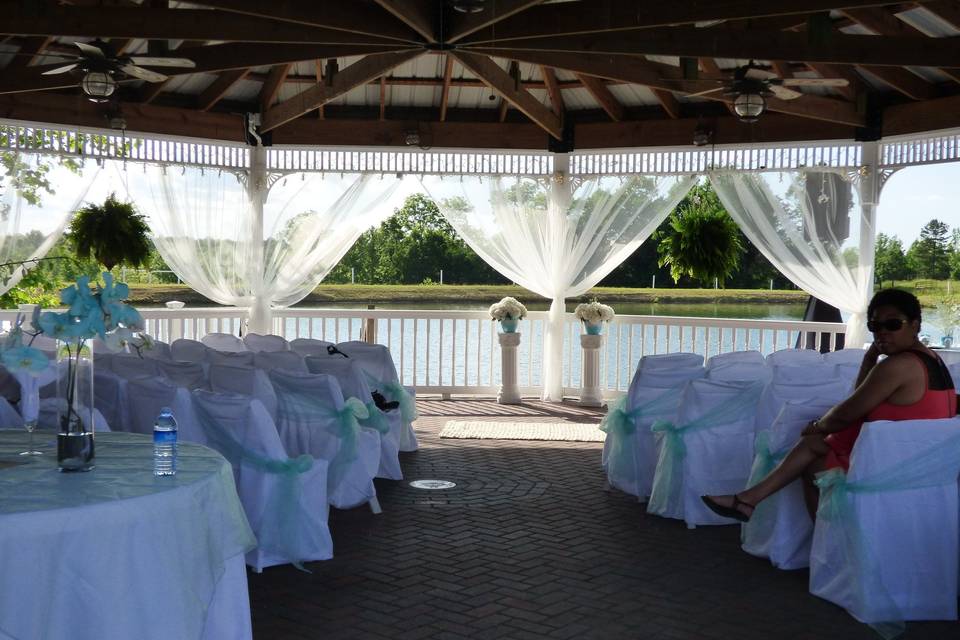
(929, 256)
(890, 260)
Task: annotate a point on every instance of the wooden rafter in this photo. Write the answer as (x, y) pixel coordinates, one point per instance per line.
(553, 90)
(463, 24)
(501, 82)
(445, 91)
(28, 52)
(948, 10)
(271, 86)
(415, 14)
(318, 74)
(383, 98)
(907, 83)
(212, 94)
(615, 15)
(356, 74)
(608, 101)
(353, 17)
(150, 90)
(750, 44)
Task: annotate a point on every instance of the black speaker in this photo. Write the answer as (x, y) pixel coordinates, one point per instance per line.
(565, 144)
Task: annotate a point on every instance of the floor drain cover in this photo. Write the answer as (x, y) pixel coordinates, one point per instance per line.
(433, 484)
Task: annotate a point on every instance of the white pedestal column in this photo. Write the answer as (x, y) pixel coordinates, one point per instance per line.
(590, 382)
(509, 391)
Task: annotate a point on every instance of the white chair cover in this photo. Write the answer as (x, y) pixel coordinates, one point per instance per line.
(780, 528)
(159, 351)
(189, 375)
(376, 360)
(129, 366)
(258, 342)
(9, 417)
(223, 342)
(954, 370)
(801, 373)
(819, 390)
(50, 407)
(666, 378)
(147, 396)
(230, 358)
(794, 357)
(708, 450)
(285, 498)
(283, 360)
(246, 381)
(310, 346)
(353, 384)
(740, 372)
(847, 372)
(849, 355)
(186, 350)
(738, 357)
(885, 540)
(677, 360)
(314, 419)
(110, 397)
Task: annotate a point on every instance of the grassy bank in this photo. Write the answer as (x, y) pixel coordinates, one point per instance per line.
(157, 294)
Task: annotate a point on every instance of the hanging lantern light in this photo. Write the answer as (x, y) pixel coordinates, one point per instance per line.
(749, 106)
(98, 85)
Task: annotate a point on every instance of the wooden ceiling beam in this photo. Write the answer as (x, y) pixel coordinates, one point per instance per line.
(619, 15)
(356, 74)
(907, 83)
(416, 14)
(711, 68)
(855, 83)
(212, 94)
(30, 48)
(553, 90)
(383, 98)
(150, 90)
(445, 91)
(500, 81)
(353, 17)
(271, 86)
(914, 117)
(948, 10)
(751, 44)
(318, 73)
(668, 101)
(608, 101)
(464, 24)
(638, 71)
(166, 24)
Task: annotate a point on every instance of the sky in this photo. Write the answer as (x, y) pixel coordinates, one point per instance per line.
(913, 196)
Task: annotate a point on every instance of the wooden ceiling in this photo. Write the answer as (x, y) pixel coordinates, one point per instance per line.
(557, 74)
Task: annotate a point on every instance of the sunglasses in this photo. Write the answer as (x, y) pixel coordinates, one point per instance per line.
(890, 324)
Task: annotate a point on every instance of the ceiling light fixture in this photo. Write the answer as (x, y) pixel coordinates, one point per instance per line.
(702, 134)
(749, 106)
(98, 85)
(469, 6)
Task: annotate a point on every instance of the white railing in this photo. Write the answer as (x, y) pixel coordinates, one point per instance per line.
(457, 352)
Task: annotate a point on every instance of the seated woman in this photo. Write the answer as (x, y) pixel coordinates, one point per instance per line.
(911, 383)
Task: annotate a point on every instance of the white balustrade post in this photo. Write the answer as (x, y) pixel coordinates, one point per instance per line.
(509, 390)
(174, 324)
(590, 395)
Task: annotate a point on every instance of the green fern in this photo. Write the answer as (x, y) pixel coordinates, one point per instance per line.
(114, 233)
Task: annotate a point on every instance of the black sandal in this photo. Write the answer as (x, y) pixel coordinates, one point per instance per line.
(731, 511)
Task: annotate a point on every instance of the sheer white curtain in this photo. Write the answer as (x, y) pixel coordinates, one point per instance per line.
(557, 239)
(809, 224)
(254, 245)
(33, 217)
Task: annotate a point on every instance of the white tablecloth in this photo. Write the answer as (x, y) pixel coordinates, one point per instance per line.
(116, 553)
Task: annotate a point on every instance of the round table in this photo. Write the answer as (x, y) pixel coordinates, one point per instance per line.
(117, 552)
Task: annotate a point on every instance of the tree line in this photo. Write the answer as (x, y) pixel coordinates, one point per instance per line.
(934, 255)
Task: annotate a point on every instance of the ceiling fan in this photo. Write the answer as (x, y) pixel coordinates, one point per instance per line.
(750, 86)
(99, 66)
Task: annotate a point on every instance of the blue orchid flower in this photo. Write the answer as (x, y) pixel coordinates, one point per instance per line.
(79, 297)
(54, 325)
(123, 314)
(112, 293)
(26, 359)
(94, 323)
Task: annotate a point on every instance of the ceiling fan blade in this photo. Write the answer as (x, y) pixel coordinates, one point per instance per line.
(63, 69)
(702, 93)
(815, 82)
(759, 74)
(142, 74)
(152, 61)
(783, 93)
(90, 50)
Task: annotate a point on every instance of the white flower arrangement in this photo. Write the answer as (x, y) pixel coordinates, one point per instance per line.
(508, 308)
(593, 312)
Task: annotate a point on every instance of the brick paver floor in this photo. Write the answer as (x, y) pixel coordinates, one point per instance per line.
(530, 546)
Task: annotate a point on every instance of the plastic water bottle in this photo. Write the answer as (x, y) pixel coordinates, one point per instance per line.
(165, 444)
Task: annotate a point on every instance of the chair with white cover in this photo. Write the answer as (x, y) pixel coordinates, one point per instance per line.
(259, 342)
(740, 372)
(750, 356)
(310, 346)
(187, 350)
(794, 357)
(147, 396)
(707, 450)
(353, 384)
(244, 380)
(190, 375)
(849, 355)
(158, 351)
(886, 537)
(129, 366)
(314, 418)
(223, 342)
(230, 358)
(848, 372)
(10, 418)
(679, 360)
(780, 528)
(823, 390)
(110, 397)
(283, 360)
(376, 361)
(954, 370)
(284, 497)
(789, 373)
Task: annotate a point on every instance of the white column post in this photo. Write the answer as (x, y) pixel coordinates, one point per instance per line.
(590, 395)
(869, 198)
(260, 319)
(509, 390)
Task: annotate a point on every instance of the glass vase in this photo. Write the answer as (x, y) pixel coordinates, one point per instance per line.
(509, 325)
(593, 328)
(75, 446)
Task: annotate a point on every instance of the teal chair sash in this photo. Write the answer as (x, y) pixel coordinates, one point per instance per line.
(620, 424)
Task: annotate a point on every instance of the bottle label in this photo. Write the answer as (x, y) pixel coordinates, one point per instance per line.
(165, 437)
